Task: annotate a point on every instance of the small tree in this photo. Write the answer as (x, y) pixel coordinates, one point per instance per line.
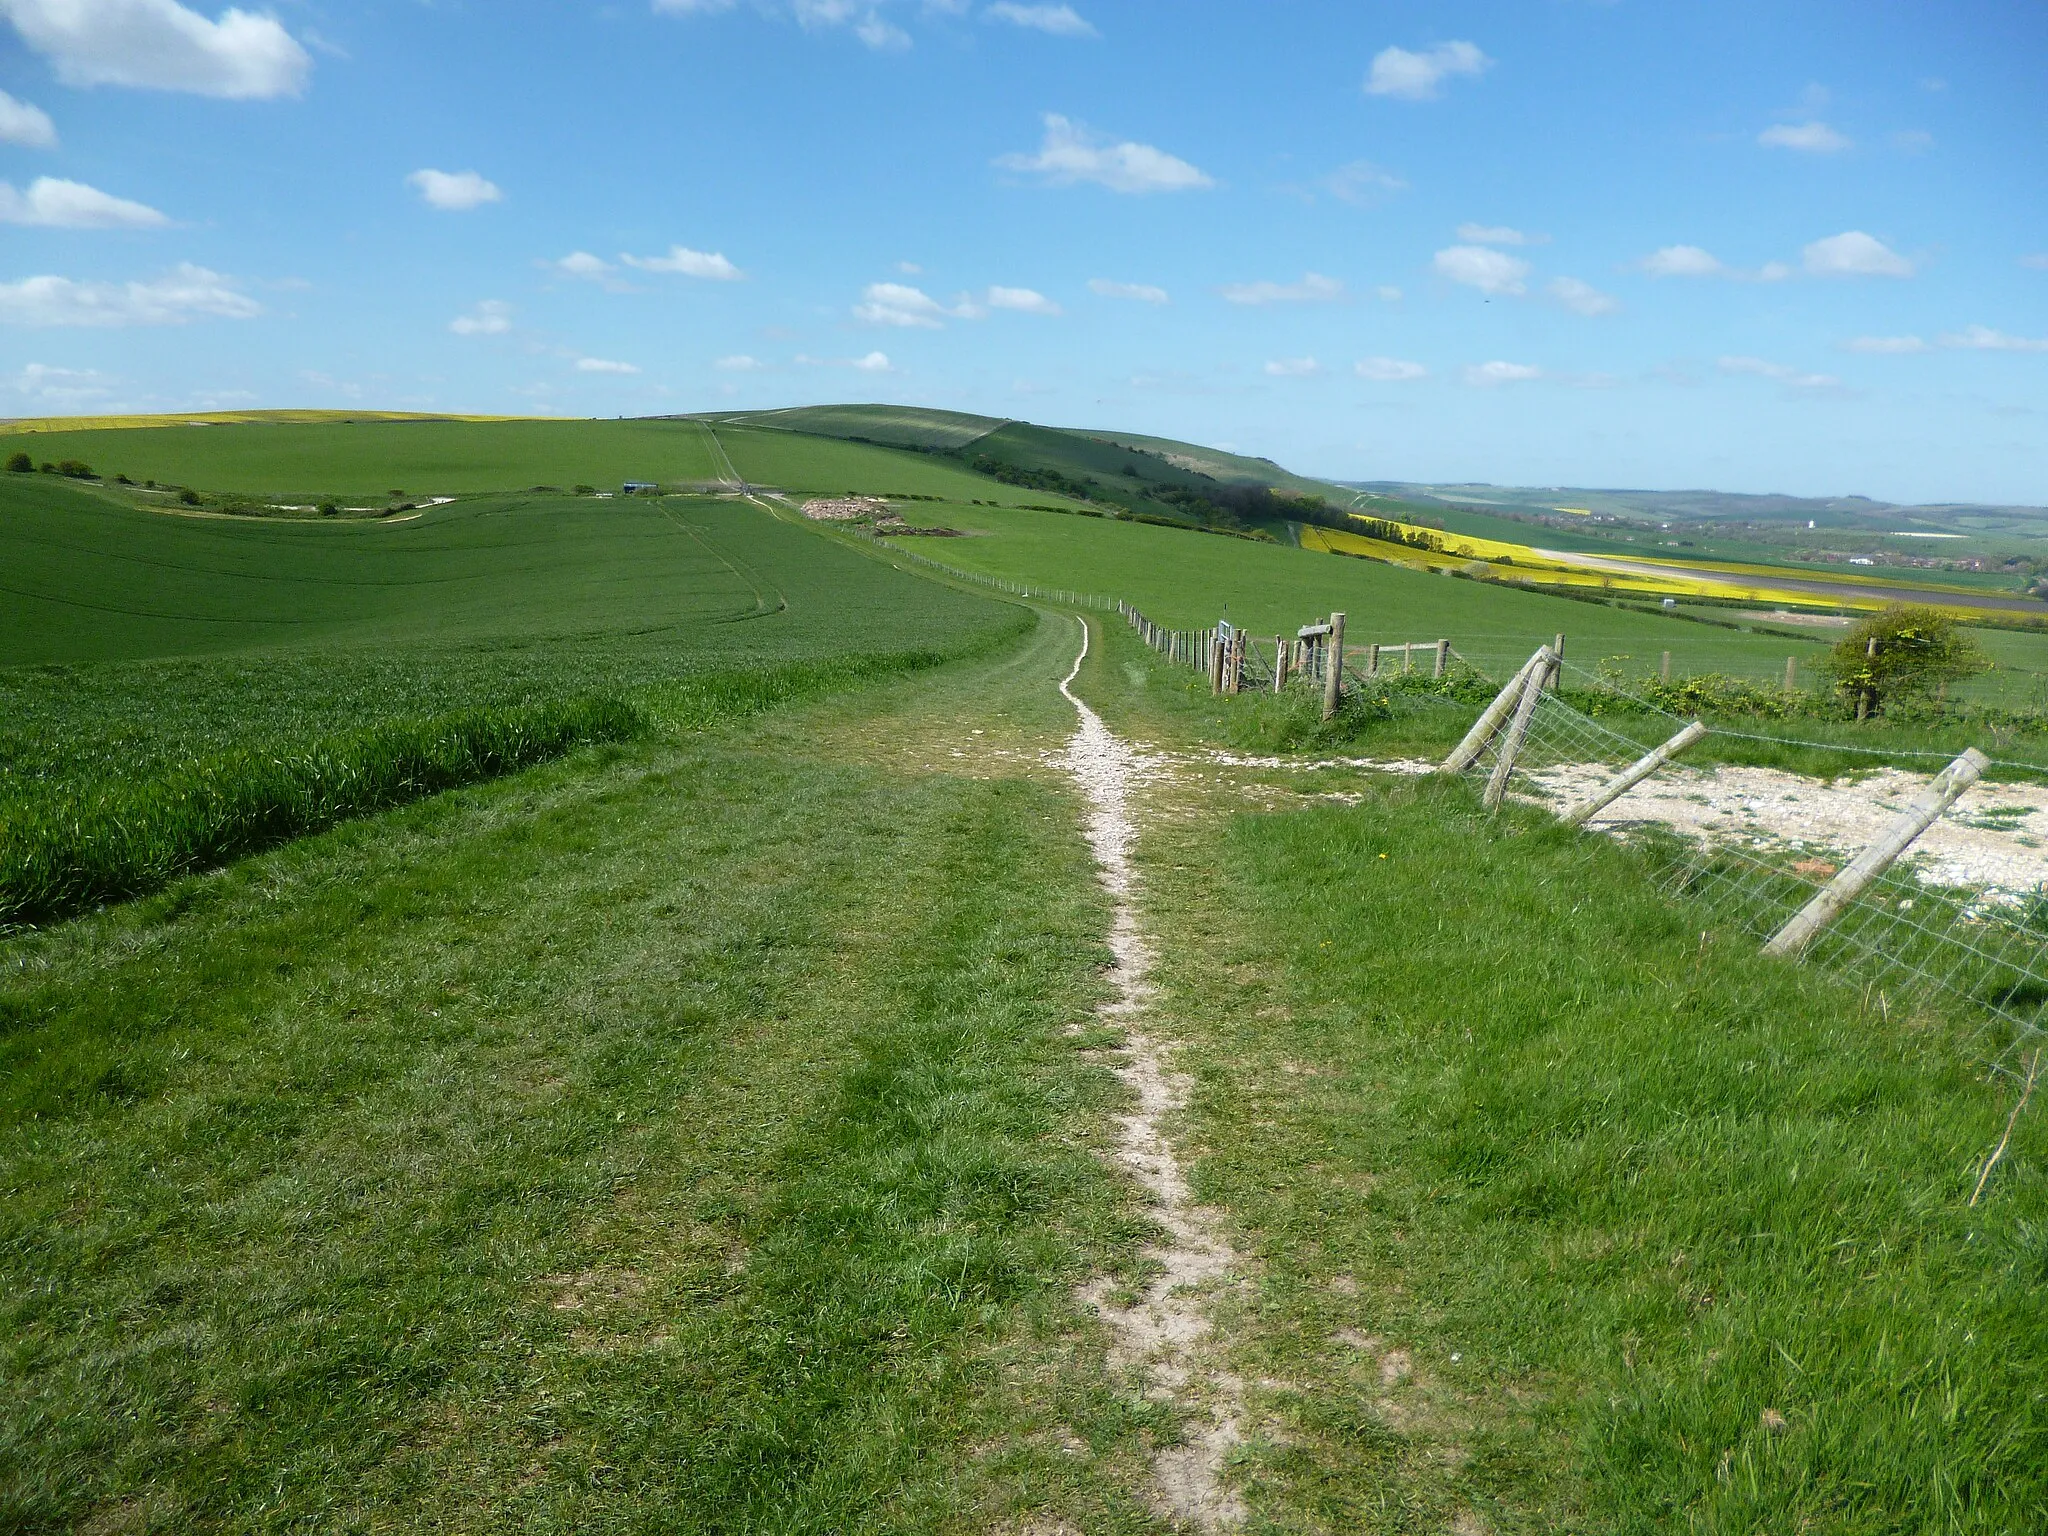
(1903, 652)
(20, 464)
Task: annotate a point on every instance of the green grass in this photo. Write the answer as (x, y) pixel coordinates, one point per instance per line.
(682, 1136)
(366, 460)
(365, 664)
(1189, 580)
(900, 426)
(1554, 1192)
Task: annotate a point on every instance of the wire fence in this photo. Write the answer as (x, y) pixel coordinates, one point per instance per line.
(1905, 936)
(1910, 937)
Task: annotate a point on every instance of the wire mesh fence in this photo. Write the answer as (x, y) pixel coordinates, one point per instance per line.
(1909, 937)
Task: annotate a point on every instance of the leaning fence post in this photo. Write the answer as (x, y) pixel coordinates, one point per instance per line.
(1880, 855)
(1333, 674)
(1540, 672)
(1632, 775)
(1488, 724)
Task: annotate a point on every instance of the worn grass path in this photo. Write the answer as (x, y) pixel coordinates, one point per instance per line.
(708, 1135)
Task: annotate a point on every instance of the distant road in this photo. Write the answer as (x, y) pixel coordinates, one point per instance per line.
(1839, 591)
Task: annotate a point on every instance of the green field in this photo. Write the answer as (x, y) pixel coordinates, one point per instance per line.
(557, 1014)
(367, 461)
(1189, 580)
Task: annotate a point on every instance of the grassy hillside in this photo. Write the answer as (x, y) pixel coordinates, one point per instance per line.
(898, 426)
(366, 461)
(153, 668)
(1190, 579)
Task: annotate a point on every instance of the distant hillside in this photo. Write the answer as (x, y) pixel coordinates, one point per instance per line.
(1849, 513)
(1145, 477)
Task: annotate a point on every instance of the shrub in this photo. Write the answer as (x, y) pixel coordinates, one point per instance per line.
(1903, 653)
(20, 463)
(77, 469)
(328, 509)
(189, 497)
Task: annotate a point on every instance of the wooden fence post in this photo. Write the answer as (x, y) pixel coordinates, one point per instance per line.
(1443, 659)
(1215, 664)
(1664, 669)
(1279, 663)
(1372, 659)
(1557, 664)
(1791, 674)
(1873, 861)
(1466, 752)
(1632, 775)
(1540, 673)
(1333, 674)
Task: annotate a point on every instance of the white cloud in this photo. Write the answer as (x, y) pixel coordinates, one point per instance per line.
(1059, 20)
(1313, 288)
(603, 365)
(1476, 266)
(185, 293)
(710, 265)
(899, 304)
(493, 317)
(1981, 338)
(1855, 254)
(1362, 184)
(1912, 141)
(1027, 301)
(1071, 154)
(454, 191)
(1791, 378)
(1892, 346)
(1683, 261)
(1581, 298)
(1293, 368)
(739, 363)
(693, 7)
(25, 125)
(53, 204)
(1144, 293)
(1488, 375)
(874, 362)
(1807, 138)
(880, 35)
(1389, 370)
(1416, 76)
(1497, 234)
(2039, 261)
(1388, 293)
(581, 264)
(159, 44)
(65, 388)
(909, 269)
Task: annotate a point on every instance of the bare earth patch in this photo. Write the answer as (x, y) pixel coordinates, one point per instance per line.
(1160, 1333)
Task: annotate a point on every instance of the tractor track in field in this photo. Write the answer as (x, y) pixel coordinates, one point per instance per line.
(1159, 1334)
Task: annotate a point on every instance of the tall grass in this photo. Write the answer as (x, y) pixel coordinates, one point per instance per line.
(64, 854)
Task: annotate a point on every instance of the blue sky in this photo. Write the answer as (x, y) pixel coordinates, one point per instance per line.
(1650, 243)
